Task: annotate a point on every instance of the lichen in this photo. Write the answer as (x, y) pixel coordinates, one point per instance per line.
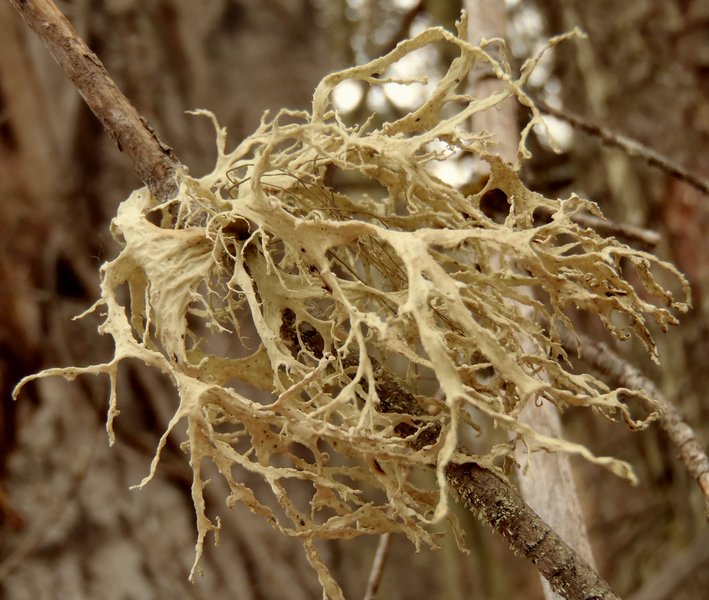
(340, 291)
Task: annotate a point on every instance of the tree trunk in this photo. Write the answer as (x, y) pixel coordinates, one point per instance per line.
(547, 485)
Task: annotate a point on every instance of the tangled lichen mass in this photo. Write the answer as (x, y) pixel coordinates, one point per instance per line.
(323, 288)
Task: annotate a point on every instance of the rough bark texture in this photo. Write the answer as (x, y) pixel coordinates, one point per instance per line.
(486, 493)
(498, 504)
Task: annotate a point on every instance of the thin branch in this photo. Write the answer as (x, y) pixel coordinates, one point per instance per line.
(630, 146)
(153, 162)
(623, 374)
(647, 237)
(402, 31)
(375, 574)
(497, 502)
(628, 233)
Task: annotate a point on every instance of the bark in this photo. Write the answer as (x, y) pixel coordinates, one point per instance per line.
(153, 162)
(498, 504)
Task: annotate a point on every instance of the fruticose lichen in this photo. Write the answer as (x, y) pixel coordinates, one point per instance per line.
(321, 288)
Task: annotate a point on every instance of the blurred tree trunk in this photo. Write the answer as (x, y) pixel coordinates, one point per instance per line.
(548, 485)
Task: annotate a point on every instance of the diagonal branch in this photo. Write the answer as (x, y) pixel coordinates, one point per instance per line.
(623, 374)
(377, 570)
(153, 162)
(498, 503)
(630, 146)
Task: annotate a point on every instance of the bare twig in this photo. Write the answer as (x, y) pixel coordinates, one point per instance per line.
(375, 574)
(402, 30)
(630, 146)
(627, 233)
(623, 374)
(500, 505)
(153, 162)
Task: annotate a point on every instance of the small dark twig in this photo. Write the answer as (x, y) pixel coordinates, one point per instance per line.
(402, 31)
(630, 146)
(375, 574)
(627, 233)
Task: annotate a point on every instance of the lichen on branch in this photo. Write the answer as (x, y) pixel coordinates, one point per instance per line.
(327, 293)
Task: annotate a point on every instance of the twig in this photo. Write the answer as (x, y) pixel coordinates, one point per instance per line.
(402, 30)
(629, 146)
(375, 574)
(623, 374)
(498, 503)
(153, 162)
(628, 233)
